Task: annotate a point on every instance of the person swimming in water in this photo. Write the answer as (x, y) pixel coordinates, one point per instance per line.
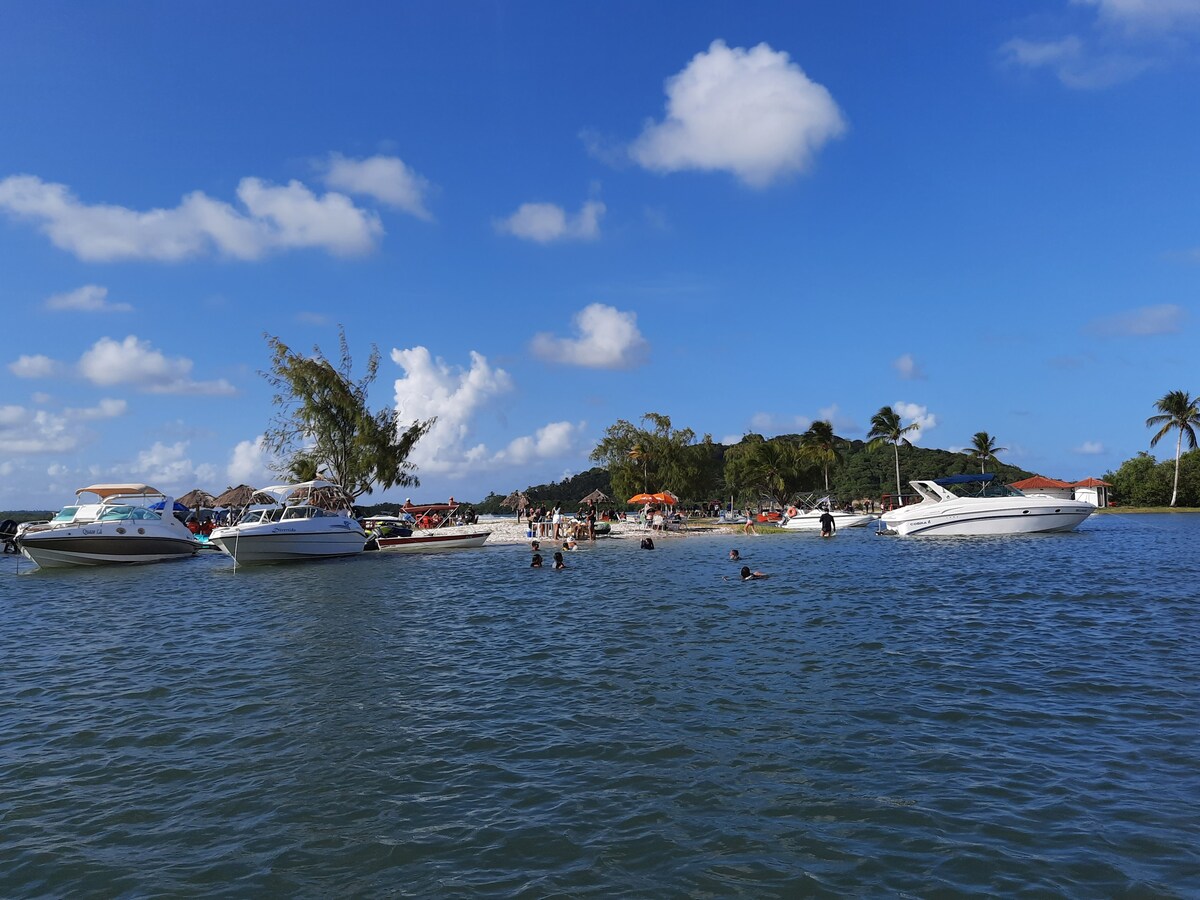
(537, 561)
(733, 554)
(747, 575)
(558, 561)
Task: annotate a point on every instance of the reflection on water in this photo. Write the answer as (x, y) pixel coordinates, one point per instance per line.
(880, 716)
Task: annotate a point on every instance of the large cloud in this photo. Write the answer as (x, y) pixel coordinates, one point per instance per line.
(456, 396)
(608, 339)
(384, 178)
(275, 218)
(136, 363)
(546, 222)
(750, 112)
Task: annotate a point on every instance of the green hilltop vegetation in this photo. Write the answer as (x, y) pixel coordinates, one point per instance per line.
(718, 471)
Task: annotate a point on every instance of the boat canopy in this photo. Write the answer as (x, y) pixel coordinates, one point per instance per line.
(103, 491)
(964, 479)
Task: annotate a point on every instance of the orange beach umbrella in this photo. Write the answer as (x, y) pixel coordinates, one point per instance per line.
(642, 498)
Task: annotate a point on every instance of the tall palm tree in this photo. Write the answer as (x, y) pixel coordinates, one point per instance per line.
(821, 447)
(983, 447)
(886, 428)
(1177, 410)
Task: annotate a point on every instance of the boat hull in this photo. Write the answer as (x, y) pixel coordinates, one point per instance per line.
(811, 521)
(265, 545)
(976, 522)
(424, 543)
(68, 550)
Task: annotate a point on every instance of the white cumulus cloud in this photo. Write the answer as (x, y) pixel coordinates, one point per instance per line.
(384, 178)
(915, 414)
(136, 363)
(35, 366)
(552, 441)
(608, 339)
(431, 387)
(1090, 448)
(274, 218)
(750, 112)
(89, 298)
(250, 462)
(546, 222)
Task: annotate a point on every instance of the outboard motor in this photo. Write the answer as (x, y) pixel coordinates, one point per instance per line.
(8, 534)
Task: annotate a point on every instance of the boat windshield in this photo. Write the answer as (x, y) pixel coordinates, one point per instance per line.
(303, 512)
(66, 514)
(120, 513)
(983, 489)
(253, 516)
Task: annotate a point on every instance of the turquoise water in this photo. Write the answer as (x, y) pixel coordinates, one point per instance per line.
(881, 717)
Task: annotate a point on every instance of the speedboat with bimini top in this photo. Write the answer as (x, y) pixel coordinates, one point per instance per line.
(806, 516)
(292, 523)
(130, 523)
(969, 505)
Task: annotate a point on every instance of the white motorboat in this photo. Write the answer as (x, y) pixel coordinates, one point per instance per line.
(969, 505)
(807, 516)
(131, 523)
(297, 522)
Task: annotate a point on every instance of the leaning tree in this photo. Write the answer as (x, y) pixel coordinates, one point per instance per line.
(323, 423)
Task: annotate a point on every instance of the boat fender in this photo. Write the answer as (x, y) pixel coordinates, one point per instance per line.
(792, 512)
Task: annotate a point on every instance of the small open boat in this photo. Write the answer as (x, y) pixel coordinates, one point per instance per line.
(422, 528)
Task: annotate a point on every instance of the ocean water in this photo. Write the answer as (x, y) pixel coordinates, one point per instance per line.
(881, 717)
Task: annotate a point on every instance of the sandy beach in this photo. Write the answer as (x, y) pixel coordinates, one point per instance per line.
(509, 531)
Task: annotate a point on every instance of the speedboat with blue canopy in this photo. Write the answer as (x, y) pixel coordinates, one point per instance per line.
(122, 528)
(969, 505)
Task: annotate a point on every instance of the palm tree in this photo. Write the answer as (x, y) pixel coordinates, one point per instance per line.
(887, 429)
(983, 447)
(822, 447)
(1178, 410)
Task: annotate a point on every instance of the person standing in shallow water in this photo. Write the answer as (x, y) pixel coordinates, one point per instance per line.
(558, 561)
(828, 524)
(537, 561)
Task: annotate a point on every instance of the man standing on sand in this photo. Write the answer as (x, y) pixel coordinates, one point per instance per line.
(591, 520)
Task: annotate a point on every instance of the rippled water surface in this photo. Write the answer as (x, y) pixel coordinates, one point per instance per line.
(881, 717)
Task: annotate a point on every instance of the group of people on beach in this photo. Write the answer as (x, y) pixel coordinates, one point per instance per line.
(552, 523)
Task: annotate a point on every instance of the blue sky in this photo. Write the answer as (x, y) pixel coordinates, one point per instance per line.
(549, 216)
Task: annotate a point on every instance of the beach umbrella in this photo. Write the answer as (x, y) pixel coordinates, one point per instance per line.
(237, 496)
(197, 497)
(643, 498)
(665, 497)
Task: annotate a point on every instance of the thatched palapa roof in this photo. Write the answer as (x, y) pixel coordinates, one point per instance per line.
(596, 496)
(516, 500)
(196, 498)
(236, 496)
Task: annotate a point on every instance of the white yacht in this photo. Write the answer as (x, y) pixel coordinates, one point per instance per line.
(296, 522)
(130, 523)
(967, 505)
